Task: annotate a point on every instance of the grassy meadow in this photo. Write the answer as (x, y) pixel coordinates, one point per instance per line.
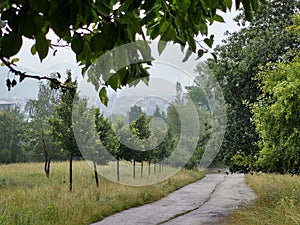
(278, 201)
(28, 197)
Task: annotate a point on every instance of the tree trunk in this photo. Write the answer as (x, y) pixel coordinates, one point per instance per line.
(47, 167)
(47, 160)
(133, 169)
(159, 167)
(154, 167)
(149, 167)
(96, 174)
(71, 173)
(118, 170)
(142, 167)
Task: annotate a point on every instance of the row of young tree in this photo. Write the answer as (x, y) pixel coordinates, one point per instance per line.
(45, 132)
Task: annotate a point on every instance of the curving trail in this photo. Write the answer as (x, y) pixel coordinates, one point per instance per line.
(207, 201)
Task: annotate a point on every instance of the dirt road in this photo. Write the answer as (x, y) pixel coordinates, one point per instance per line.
(207, 201)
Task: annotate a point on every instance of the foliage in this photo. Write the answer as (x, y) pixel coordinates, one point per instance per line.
(182, 130)
(134, 113)
(107, 137)
(61, 121)
(91, 28)
(276, 116)
(12, 127)
(38, 137)
(265, 40)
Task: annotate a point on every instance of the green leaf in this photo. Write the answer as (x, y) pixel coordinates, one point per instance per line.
(11, 44)
(187, 55)
(200, 54)
(148, 5)
(14, 60)
(61, 18)
(161, 46)
(40, 5)
(26, 26)
(215, 57)
(248, 9)
(103, 96)
(145, 51)
(97, 43)
(53, 85)
(105, 40)
(102, 7)
(209, 41)
(254, 4)
(219, 18)
(114, 81)
(42, 45)
(228, 3)
(77, 44)
(33, 50)
(2, 24)
(192, 43)
(111, 36)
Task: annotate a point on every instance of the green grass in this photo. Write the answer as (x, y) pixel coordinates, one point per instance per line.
(278, 201)
(28, 197)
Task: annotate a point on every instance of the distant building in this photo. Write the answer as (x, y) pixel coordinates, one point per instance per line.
(4, 106)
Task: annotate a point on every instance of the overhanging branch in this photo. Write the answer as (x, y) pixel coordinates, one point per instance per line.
(23, 75)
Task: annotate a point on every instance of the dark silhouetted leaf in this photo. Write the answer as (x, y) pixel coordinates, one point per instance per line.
(10, 44)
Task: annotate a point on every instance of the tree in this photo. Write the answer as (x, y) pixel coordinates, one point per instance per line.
(61, 123)
(141, 131)
(157, 112)
(92, 28)
(163, 148)
(185, 130)
(196, 92)
(276, 116)
(108, 139)
(264, 41)
(38, 137)
(134, 113)
(11, 129)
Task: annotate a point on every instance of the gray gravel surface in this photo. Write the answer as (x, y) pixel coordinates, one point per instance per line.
(207, 201)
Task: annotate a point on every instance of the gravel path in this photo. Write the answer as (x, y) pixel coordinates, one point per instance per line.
(207, 201)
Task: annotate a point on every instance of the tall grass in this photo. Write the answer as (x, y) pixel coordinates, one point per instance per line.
(278, 201)
(28, 197)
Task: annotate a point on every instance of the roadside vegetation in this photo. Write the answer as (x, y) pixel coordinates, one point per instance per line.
(278, 201)
(26, 197)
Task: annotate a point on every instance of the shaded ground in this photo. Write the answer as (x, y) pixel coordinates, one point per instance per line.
(207, 201)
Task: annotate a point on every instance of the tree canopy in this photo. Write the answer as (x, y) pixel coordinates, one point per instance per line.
(276, 116)
(92, 28)
(264, 40)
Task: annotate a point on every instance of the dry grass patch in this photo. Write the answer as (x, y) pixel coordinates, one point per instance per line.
(278, 201)
(28, 197)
